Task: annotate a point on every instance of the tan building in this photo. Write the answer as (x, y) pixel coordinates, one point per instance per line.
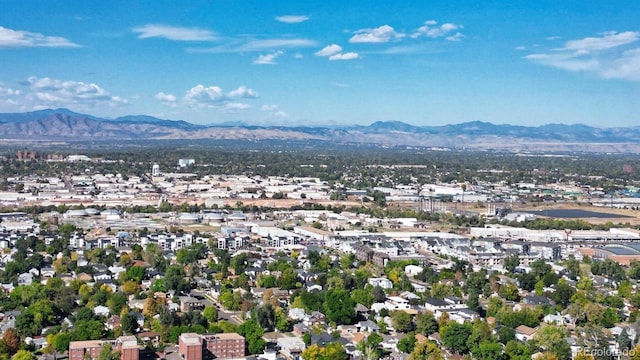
(622, 253)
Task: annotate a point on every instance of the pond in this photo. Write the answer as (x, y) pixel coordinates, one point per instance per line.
(575, 214)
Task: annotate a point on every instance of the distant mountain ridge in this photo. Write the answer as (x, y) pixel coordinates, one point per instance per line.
(66, 125)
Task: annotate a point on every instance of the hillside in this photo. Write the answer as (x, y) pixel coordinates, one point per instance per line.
(65, 125)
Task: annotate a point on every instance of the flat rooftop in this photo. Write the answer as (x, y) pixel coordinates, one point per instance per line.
(85, 344)
(191, 339)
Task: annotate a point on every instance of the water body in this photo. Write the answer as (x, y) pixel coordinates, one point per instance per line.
(575, 214)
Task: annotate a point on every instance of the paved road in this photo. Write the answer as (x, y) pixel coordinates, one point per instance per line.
(231, 316)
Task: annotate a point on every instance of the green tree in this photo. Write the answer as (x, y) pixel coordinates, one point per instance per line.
(454, 337)
(426, 323)
(288, 280)
(401, 321)
(480, 333)
(339, 306)
(362, 296)
(635, 353)
(62, 341)
(252, 333)
(488, 350)
(551, 338)
(174, 279)
(407, 343)
(509, 292)
(378, 294)
(23, 355)
(88, 330)
(370, 346)
(516, 350)
(623, 340)
(116, 302)
(333, 350)
(129, 324)
(562, 295)
(505, 334)
(511, 262)
(136, 273)
(108, 353)
(426, 350)
(495, 305)
(210, 313)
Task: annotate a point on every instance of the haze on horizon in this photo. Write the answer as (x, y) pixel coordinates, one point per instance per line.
(435, 63)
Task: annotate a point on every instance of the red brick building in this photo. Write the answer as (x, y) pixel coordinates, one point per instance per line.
(211, 346)
(128, 347)
(90, 349)
(79, 349)
(190, 346)
(224, 346)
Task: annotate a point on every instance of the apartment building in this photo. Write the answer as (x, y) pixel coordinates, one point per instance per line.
(224, 346)
(90, 349)
(211, 346)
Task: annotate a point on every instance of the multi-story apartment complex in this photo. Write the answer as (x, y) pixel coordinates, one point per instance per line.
(90, 349)
(224, 346)
(211, 346)
(81, 350)
(190, 346)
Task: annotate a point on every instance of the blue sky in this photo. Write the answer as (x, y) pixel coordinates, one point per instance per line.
(326, 63)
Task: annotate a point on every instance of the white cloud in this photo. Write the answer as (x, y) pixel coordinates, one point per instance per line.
(565, 61)
(345, 56)
(257, 45)
(329, 50)
(268, 59)
(382, 34)
(626, 66)
(201, 96)
(234, 106)
(173, 33)
(167, 99)
(243, 92)
(243, 45)
(292, 19)
(520, 48)
(454, 37)
(20, 39)
(607, 56)
(42, 93)
(431, 30)
(274, 111)
(607, 41)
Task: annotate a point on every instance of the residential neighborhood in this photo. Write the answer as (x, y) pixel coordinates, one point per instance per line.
(169, 266)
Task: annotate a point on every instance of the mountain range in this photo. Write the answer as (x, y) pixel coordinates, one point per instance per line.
(66, 125)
